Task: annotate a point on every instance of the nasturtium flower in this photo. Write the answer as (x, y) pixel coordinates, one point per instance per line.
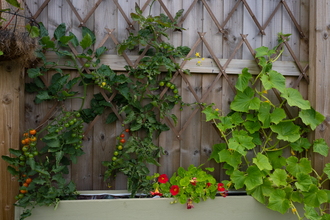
(163, 178)
(189, 204)
(174, 190)
(220, 187)
(156, 193)
(208, 185)
(193, 181)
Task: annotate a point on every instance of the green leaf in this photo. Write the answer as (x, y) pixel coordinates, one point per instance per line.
(279, 177)
(245, 101)
(59, 155)
(232, 158)
(12, 171)
(253, 178)
(304, 181)
(175, 119)
(261, 51)
(59, 31)
(226, 123)
(74, 39)
(315, 197)
(112, 117)
(34, 72)
(65, 39)
(243, 80)
(276, 159)
(261, 191)
(124, 90)
(262, 162)
(1, 53)
(86, 41)
(311, 214)
(210, 113)
(294, 98)
(43, 95)
(264, 114)
(34, 31)
(100, 51)
(10, 160)
(311, 117)
(236, 118)
(273, 80)
(15, 3)
(32, 163)
(278, 201)
(47, 42)
(327, 169)
(296, 197)
(86, 31)
(216, 149)
(238, 178)
(252, 126)
(300, 145)
(286, 131)
(183, 198)
(39, 181)
(321, 147)
(277, 115)
(304, 166)
(17, 153)
(240, 142)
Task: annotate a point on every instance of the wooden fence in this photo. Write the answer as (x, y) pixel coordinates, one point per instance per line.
(227, 30)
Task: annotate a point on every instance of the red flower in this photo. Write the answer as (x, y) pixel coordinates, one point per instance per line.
(208, 185)
(224, 194)
(174, 190)
(193, 181)
(220, 187)
(163, 178)
(189, 204)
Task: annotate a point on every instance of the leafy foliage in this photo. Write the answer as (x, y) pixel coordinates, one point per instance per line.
(270, 178)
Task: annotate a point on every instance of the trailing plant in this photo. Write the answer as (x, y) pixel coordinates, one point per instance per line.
(187, 186)
(256, 123)
(138, 98)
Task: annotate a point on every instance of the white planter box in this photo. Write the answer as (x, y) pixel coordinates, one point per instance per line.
(231, 207)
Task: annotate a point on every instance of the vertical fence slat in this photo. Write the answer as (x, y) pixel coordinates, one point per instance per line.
(11, 78)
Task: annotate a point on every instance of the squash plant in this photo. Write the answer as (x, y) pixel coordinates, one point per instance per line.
(256, 123)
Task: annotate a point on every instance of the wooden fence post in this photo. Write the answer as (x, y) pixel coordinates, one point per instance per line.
(11, 122)
(319, 72)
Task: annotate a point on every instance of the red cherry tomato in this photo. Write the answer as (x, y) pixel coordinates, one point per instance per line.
(122, 140)
(122, 135)
(127, 130)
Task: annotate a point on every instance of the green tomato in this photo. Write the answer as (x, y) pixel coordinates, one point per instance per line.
(115, 153)
(64, 119)
(71, 122)
(26, 153)
(176, 96)
(31, 155)
(74, 120)
(66, 125)
(168, 84)
(57, 130)
(87, 65)
(77, 114)
(176, 102)
(172, 87)
(81, 126)
(161, 83)
(16, 198)
(73, 135)
(79, 142)
(67, 114)
(22, 158)
(35, 153)
(120, 147)
(21, 163)
(122, 125)
(114, 158)
(21, 195)
(60, 128)
(175, 91)
(94, 65)
(114, 163)
(80, 136)
(33, 144)
(25, 148)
